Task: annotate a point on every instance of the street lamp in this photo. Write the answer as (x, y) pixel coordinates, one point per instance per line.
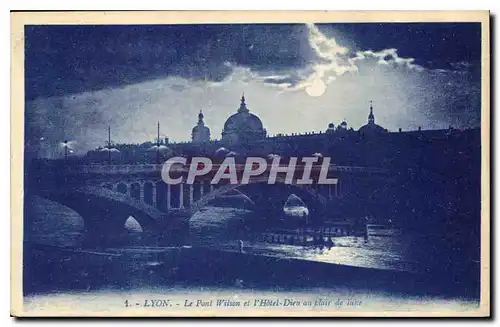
(158, 145)
(67, 145)
(65, 150)
(109, 145)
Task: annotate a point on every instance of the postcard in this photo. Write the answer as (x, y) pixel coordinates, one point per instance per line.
(250, 164)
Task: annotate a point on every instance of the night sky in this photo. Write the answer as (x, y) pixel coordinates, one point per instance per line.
(296, 78)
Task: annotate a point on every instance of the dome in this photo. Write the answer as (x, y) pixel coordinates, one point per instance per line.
(222, 150)
(161, 148)
(200, 129)
(110, 150)
(242, 122)
(200, 133)
(243, 126)
(331, 128)
(371, 128)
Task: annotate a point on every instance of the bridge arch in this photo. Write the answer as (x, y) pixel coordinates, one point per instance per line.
(132, 225)
(122, 188)
(104, 208)
(135, 190)
(149, 192)
(315, 202)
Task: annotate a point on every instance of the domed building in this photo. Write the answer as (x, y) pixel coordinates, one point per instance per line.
(371, 129)
(200, 133)
(330, 129)
(343, 126)
(242, 127)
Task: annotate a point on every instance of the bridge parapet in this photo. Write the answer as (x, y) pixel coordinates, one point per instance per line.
(156, 168)
(143, 182)
(358, 169)
(139, 190)
(112, 169)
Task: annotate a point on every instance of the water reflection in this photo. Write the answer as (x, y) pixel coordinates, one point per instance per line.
(134, 257)
(295, 207)
(132, 225)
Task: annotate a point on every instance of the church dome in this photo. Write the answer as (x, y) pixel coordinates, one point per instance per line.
(243, 121)
(200, 129)
(371, 128)
(243, 126)
(200, 133)
(331, 128)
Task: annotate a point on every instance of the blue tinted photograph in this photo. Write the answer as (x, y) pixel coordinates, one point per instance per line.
(253, 169)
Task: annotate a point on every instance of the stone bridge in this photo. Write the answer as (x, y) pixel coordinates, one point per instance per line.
(106, 195)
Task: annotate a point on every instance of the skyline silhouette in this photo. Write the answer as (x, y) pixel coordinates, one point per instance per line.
(131, 77)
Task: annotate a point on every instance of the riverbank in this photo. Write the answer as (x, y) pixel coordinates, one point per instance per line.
(53, 270)
(163, 281)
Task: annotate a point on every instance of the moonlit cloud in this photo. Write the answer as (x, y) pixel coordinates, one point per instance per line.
(334, 60)
(387, 57)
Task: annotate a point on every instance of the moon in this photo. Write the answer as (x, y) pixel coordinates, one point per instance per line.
(316, 88)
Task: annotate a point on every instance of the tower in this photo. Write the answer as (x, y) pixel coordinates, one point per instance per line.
(243, 106)
(371, 129)
(200, 133)
(371, 117)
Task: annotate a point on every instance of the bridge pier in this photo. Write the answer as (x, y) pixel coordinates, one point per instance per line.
(187, 196)
(164, 197)
(141, 192)
(181, 196)
(154, 194)
(144, 185)
(169, 193)
(190, 194)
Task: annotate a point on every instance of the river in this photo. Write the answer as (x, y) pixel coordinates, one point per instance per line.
(217, 263)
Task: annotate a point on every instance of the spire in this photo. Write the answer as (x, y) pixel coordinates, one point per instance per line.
(200, 132)
(371, 117)
(109, 144)
(243, 106)
(200, 118)
(158, 144)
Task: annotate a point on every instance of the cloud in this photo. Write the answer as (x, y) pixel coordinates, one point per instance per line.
(387, 57)
(279, 80)
(80, 58)
(178, 87)
(332, 60)
(405, 94)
